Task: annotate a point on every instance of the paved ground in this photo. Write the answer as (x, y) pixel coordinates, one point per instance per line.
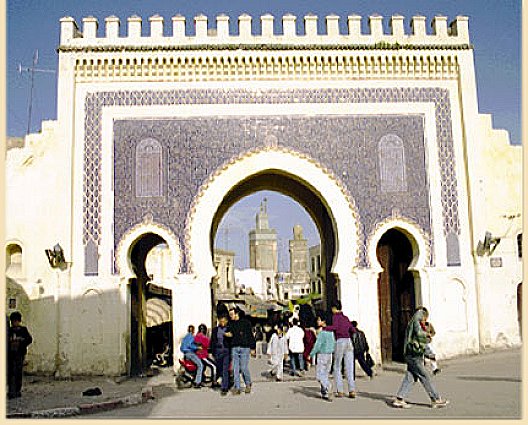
(483, 386)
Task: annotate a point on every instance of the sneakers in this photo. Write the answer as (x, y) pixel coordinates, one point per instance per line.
(235, 391)
(340, 394)
(439, 403)
(437, 371)
(223, 392)
(352, 394)
(402, 404)
(247, 390)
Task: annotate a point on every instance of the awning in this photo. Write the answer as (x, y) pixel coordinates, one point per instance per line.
(259, 311)
(158, 312)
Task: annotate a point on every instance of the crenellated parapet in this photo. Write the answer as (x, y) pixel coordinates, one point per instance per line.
(217, 54)
(443, 35)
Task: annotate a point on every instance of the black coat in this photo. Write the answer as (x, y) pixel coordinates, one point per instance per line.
(18, 338)
(215, 344)
(359, 342)
(242, 334)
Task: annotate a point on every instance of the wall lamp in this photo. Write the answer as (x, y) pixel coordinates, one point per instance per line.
(56, 257)
(488, 245)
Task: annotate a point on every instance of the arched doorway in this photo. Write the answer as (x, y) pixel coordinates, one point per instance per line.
(139, 294)
(396, 292)
(310, 200)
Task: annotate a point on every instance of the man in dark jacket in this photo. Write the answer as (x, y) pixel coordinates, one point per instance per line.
(220, 348)
(361, 349)
(18, 339)
(242, 345)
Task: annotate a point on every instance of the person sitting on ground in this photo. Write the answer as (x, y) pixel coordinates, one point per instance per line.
(203, 341)
(188, 347)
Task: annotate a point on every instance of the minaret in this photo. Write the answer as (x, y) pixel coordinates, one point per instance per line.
(299, 256)
(263, 242)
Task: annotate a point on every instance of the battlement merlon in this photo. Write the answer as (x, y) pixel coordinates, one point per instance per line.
(443, 34)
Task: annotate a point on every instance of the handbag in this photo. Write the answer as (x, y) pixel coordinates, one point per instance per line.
(369, 360)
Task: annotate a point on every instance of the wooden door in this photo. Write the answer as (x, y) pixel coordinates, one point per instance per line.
(384, 302)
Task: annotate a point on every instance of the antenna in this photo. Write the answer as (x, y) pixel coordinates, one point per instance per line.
(32, 71)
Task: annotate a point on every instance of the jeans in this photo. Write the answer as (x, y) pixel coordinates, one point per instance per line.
(240, 356)
(344, 350)
(199, 365)
(222, 358)
(294, 358)
(416, 370)
(322, 371)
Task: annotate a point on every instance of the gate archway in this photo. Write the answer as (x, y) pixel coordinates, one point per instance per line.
(291, 174)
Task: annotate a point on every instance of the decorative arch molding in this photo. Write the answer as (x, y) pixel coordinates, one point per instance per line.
(320, 180)
(129, 239)
(418, 239)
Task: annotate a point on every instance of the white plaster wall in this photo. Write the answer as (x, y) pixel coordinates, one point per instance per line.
(37, 217)
(253, 279)
(500, 195)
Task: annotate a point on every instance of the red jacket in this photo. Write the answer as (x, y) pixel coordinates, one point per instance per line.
(204, 340)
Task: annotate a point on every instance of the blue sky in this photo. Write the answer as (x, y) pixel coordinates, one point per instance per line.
(495, 31)
(495, 28)
(283, 214)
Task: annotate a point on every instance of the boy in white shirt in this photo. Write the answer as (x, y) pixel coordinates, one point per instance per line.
(295, 336)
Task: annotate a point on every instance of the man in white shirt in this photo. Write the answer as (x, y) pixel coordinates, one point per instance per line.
(295, 336)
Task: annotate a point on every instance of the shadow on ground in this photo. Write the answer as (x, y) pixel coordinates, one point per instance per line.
(488, 378)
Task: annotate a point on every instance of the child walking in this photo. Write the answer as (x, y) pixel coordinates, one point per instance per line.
(324, 348)
(277, 350)
(429, 353)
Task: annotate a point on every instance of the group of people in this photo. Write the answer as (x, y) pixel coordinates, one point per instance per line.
(337, 343)
(232, 341)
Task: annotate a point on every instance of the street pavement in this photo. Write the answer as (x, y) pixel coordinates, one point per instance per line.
(483, 386)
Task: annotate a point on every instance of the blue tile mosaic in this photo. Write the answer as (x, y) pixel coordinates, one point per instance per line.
(196, 147)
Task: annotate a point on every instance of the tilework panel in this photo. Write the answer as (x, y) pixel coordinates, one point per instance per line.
(197, 147)
(345, 157)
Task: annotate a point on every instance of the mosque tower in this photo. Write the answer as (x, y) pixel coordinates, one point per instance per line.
(263, 242)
